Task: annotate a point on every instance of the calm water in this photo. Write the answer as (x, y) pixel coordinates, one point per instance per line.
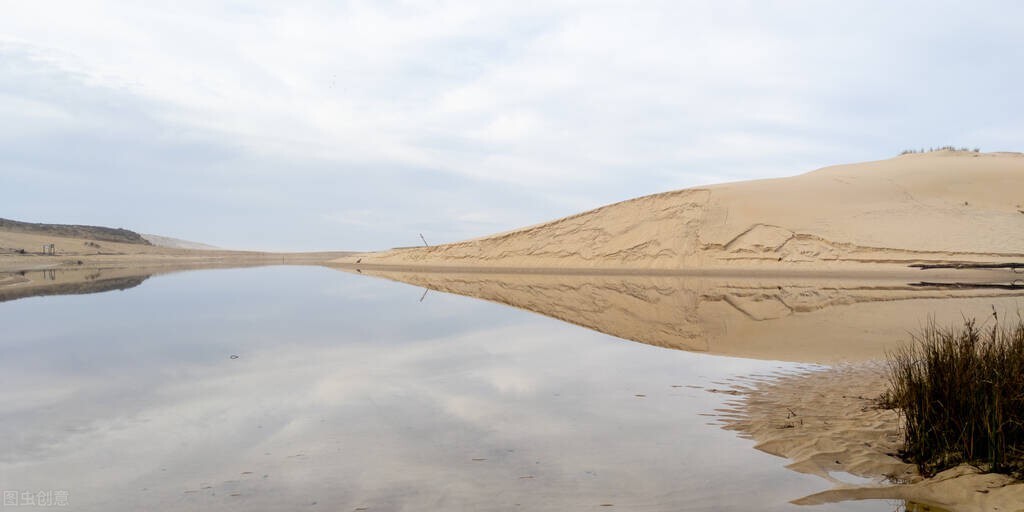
(349, 392)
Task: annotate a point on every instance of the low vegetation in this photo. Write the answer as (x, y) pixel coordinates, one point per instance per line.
(960, 392)
(942, 148)
(98, 233)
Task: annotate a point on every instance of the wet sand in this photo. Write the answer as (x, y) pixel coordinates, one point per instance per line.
(827, 423)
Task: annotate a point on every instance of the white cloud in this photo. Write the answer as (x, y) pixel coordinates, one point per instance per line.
(566, 102)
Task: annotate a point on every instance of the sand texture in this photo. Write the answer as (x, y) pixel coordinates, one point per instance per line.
(827, 423)
(935, 207)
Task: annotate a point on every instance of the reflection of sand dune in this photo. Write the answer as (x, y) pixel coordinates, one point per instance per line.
(97, 285)
(943, 206)
(814, 320)
(85, 279)
(78, 281)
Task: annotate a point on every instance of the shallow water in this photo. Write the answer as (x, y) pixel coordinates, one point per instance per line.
(349, 392)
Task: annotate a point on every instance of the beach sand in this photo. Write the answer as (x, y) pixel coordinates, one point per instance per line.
(827, 423)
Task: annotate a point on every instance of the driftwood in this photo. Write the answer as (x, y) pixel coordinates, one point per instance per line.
(1016, 285)
(1011, 266)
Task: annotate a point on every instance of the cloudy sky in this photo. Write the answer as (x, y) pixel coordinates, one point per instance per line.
(359, 125)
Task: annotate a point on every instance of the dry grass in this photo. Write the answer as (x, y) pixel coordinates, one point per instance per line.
(960, 392)
(940, 148)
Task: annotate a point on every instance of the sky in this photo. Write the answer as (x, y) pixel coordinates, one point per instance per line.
(361, 125)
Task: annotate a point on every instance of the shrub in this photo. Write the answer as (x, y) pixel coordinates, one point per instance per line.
(960, 392)
(940, 148)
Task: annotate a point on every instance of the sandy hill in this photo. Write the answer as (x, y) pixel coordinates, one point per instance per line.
(177, 243)
(934, 207)
(78, 251)
(97, 233)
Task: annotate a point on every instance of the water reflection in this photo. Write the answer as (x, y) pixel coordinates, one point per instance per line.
(349, 393)
(78, 281)
(792, 319)
(94, 278)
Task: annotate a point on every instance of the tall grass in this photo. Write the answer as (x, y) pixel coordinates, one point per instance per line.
(961, 394)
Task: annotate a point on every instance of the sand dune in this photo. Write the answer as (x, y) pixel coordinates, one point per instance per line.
(935, 207)
(177, 243)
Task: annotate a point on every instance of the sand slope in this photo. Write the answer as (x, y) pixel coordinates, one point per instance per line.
(934, 207)
(177, 243)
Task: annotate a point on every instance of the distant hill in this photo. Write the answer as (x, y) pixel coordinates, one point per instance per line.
(175, 243)
(98, 233)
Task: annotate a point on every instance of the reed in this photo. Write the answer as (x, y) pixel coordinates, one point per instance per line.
(960, 392)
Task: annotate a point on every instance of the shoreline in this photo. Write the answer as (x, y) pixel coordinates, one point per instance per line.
(66, 261)
(823, 421)
(901, 270)
(827, 423)
(88, 266)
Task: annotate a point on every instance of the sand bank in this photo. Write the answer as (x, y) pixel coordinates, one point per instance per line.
(827, 424)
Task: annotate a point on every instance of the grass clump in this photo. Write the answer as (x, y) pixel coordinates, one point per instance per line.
(960, 392)
(940, 148)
